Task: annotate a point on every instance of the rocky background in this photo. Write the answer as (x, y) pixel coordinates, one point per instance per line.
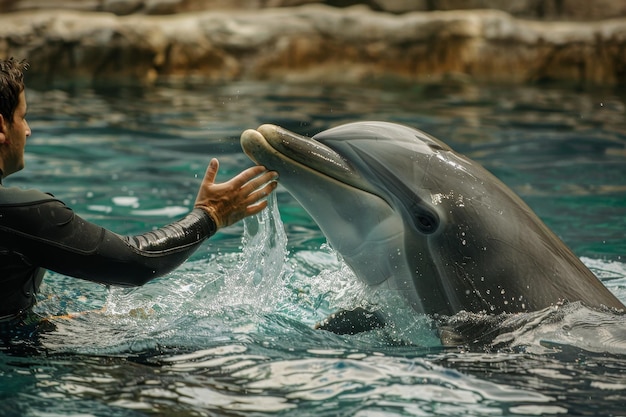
(522, 41)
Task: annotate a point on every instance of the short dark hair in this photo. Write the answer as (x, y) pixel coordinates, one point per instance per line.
(11, 86)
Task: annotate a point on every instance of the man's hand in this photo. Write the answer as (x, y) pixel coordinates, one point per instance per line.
(241, 196)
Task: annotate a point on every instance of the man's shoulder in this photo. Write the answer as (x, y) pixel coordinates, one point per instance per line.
(10, 196)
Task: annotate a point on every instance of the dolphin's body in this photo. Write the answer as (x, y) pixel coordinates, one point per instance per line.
(408, 213)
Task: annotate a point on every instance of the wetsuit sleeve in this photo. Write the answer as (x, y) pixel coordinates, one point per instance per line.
(50, 235)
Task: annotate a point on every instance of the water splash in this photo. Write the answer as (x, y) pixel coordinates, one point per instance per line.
(261, 272)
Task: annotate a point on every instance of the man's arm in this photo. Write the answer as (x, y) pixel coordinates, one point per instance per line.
(50, 235)
(46, 233)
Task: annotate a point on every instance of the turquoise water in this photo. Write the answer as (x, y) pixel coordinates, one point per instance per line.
(230, 332)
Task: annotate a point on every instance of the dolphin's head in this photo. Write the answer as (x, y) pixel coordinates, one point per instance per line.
(392, 200)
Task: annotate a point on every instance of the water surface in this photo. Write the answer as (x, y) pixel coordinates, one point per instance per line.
(230, 332)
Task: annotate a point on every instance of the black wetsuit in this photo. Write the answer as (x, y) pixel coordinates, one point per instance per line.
(39, 232)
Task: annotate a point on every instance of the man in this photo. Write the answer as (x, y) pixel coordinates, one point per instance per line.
(38, 232)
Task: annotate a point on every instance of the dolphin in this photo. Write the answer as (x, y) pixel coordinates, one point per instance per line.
(409, 214)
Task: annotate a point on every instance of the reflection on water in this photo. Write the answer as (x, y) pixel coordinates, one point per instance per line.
(230, 332)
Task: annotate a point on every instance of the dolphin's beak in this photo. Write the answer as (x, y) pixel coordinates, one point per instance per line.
(284, 144)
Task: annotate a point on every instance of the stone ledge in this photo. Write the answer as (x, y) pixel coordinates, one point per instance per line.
(582, 10)
(314, 43)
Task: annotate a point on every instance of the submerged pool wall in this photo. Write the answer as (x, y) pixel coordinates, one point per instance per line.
(571, 41)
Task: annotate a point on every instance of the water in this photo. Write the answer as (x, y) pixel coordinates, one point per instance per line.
(230, 332)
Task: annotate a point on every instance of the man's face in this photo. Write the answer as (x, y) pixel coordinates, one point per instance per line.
(15, 135)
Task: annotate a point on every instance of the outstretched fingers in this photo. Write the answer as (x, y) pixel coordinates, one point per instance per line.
(256, 208)
(250, 175)
(256, 182)
(211, 171)
(255, 201)
(241, 196)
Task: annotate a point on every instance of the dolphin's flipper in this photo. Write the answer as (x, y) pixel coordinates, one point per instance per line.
(352, 321)
(472, 330)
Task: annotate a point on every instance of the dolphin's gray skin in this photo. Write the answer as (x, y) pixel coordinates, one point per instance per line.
(408, 213)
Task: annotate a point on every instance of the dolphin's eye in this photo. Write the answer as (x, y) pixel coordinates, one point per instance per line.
(435, 147)
(425, 221)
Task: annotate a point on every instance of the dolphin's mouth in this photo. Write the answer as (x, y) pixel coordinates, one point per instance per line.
(301, 149)
(355, 219)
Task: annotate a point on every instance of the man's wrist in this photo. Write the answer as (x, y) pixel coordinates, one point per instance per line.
(210, 220)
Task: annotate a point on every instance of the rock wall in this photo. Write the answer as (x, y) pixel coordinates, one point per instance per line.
(583, 10)
(309, 43)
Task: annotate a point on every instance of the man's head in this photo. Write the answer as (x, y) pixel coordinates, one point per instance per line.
(11, 85)
(13, 126)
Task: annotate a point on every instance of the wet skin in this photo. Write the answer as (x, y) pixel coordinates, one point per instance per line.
(409, 214)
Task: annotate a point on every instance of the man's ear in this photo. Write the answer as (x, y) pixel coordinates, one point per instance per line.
(3, 129)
